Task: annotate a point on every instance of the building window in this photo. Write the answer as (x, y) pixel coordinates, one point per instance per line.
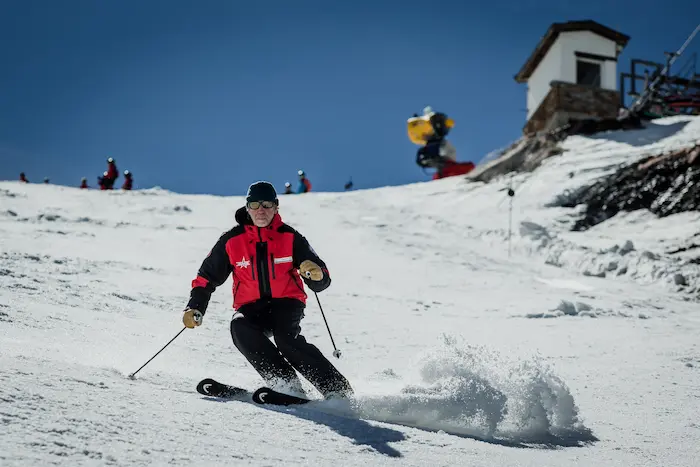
(588, 73)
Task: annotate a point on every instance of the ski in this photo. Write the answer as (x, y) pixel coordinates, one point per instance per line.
(270, 396)
(212, 388)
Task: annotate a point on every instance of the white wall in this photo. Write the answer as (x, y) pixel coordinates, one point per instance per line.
(560, 64)
(547, 71)
(586, 41)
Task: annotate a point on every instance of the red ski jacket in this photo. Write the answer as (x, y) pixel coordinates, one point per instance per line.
(263, 261)
(112, 172)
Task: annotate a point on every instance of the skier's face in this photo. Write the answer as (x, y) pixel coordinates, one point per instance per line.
(262, 216)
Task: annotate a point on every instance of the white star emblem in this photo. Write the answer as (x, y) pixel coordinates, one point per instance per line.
(243, 263)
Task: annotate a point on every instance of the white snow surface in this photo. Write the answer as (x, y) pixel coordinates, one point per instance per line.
(437, 322)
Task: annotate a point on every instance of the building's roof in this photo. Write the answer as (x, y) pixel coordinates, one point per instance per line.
(552, 35)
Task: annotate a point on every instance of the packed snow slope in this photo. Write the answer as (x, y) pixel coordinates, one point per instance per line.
(436, 310)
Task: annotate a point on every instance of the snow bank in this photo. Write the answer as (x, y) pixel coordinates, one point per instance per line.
(620, 258)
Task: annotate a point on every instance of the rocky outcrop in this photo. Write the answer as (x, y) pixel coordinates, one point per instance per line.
(524, 155)
(665, 184)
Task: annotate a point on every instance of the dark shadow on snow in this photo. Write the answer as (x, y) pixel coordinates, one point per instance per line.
(358, 430)
(363, 433)
(574, 439)
(570, 439)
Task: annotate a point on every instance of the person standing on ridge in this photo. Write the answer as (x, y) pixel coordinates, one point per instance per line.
(102, 181)
(288, 188)
(128, 181)
(304, 183)
(83, 183)
(111, 175)
(268, 260)
(23, 178)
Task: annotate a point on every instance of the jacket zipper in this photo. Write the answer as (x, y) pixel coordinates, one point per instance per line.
(263, 272)
(272, 264)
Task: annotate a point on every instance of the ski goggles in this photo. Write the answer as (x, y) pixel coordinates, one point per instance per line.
(255, 205)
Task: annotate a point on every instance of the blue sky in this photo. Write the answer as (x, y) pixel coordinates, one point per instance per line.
(208, 96)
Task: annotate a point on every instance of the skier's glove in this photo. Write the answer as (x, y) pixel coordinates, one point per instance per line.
(192, 318)
(311, 270)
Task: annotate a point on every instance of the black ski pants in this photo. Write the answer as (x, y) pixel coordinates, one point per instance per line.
(251, 332)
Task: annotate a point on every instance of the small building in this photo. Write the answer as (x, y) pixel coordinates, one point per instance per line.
(572, 74)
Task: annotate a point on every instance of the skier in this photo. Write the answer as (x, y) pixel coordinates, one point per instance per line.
(268, 260)
(83, 183)
(128, 181)
(304, 183)
(23, 178)
(103, 182)
(288, 188)
(111, 175)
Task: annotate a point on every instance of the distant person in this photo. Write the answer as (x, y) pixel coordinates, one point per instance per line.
(23, 178)
(304, 183)
(111, 175)
(128, 181)
(102, 181)
(46, 180)
(348, 185)
(83, 183)
(288, 188)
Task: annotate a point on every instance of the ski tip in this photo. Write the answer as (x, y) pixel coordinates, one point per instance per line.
(204, 385)
(260, 395)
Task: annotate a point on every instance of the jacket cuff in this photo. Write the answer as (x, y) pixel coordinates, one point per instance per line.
(319, 286)
(199, 299)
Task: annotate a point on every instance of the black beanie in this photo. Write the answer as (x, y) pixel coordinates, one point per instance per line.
(261, 191)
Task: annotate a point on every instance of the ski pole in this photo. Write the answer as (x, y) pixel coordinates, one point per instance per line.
(511, 193)
(336, 352)
(131, 376)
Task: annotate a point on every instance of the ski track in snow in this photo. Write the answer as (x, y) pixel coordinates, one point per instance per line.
(440, 328)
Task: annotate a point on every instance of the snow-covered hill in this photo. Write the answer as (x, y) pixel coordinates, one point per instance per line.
(438, 324)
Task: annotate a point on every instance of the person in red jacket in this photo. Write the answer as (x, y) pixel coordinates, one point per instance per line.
(268, 260)
(128, 181)
(23, 178)
(103, 182)
(111, 175)
(83, 183)
(304, 183)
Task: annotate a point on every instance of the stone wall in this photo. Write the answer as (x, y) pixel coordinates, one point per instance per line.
(566, 102)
